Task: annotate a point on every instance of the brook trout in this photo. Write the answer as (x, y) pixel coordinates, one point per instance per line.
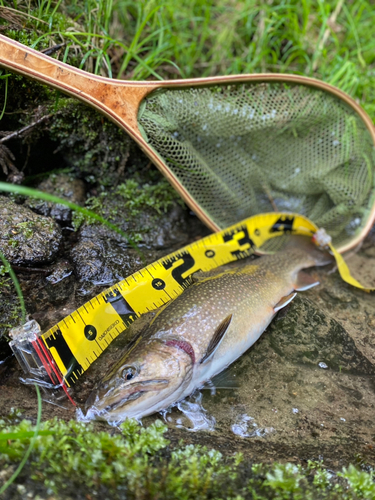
(198, 334)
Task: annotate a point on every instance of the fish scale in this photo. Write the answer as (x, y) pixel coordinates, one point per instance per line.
(198, 334)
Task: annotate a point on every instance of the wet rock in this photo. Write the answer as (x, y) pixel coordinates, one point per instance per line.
(307, 335)
(49, 292)
(63, 186)
(100, 263)
(148, 228)
(25, 237)
(102, 257)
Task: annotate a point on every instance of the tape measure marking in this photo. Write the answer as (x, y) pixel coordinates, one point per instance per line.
(79, 339)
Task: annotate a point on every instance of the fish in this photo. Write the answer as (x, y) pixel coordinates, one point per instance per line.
(201, 332)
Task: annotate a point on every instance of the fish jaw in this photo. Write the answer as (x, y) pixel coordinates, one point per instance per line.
(163, 372)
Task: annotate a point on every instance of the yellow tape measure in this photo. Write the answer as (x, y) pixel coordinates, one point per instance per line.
(79, 339)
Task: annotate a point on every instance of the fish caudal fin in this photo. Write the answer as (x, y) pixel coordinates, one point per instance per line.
(304, 282)
(284, 301)
(217, 338)
(305, 244)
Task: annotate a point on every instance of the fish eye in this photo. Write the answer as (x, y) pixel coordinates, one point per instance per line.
(129, 372)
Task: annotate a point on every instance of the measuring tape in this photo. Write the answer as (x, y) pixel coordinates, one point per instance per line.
(69, 348)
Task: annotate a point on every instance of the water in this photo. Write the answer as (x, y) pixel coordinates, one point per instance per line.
(190, 415)
(246, 427)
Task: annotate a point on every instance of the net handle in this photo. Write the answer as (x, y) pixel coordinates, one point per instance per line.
(118, 100)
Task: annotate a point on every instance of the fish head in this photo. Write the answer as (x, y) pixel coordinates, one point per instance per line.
(145, 380)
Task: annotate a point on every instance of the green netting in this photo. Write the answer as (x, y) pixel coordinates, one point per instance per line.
(240, 150)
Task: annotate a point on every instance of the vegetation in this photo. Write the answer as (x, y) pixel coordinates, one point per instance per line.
(331, 40)
(148, 39)
(74, 460)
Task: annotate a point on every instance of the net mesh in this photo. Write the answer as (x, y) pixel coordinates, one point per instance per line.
(245, 149)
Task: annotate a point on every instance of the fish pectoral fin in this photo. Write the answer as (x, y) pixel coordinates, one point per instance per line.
(224, 380)
(284, 301)
(305, 281)
(217, 338)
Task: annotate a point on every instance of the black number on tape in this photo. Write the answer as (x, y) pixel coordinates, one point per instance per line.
(188, 263)
(90, 332)
(158, 284)
(283, 224)
(229, 235)
(67, 357)
(209, 254)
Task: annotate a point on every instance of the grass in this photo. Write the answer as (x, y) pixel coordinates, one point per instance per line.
(147, 39)
(6, 268)
(331, 40)
(70, 459)
(40, 195)
(21, 435)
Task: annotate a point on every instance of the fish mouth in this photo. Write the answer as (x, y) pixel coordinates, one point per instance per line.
(134, 391)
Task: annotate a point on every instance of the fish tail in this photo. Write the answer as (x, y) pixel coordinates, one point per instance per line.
(306, 245)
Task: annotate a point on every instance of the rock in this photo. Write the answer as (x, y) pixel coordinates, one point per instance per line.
(148, 228)
(25, 237)
(100, 263)
(64, 186)
(102, 257)
(306, 335)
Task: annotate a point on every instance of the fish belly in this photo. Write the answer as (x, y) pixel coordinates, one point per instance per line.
(238, 340)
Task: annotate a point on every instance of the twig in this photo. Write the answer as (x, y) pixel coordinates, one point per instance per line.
(52, 50)
(269, 196)
(19, 132)
(331, 21)
(19, 12)
(27, 270)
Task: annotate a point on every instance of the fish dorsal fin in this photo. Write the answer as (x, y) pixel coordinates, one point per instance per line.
(284, 301)
(305, 281)
(217, 338)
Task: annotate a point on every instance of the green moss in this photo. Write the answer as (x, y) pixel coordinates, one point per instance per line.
(96, 148)
(73, 458)
(159, 197)
(129, 200)
(25, 228)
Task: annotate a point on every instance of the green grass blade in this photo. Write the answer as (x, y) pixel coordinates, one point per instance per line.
(11, 436)
(5, 97)
(30, 448)
(34, 193)
(17, 286)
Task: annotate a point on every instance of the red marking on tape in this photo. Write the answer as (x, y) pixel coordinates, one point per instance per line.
(55, 370)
